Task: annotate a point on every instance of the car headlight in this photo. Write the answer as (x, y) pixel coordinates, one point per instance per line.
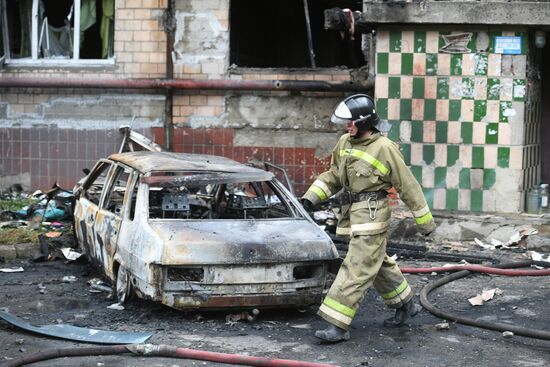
(307, 271)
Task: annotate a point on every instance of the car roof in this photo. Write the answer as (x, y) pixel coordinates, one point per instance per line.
(145, 162)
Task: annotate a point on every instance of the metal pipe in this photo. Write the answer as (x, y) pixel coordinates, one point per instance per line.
(187, 84)
(309, 37)
(169, 29)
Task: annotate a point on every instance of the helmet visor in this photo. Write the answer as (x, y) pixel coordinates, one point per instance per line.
(341, 115)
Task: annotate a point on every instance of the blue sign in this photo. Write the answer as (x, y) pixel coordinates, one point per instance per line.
(508, 45)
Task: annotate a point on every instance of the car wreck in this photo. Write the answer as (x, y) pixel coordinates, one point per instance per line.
(198, 231)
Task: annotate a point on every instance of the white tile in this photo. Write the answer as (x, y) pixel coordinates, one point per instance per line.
(440, 196)
(432, 42)
(405, 131)
(463, 199)
(407, 42)
(383, 41)
(428, 176)
(381, 86)
(416, 154)
(440, 155)
(465, 155)
(490, 156)
(394, 67)
(406, 86)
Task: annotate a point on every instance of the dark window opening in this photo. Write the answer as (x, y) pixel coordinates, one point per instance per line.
(272, 34)
(19, 15)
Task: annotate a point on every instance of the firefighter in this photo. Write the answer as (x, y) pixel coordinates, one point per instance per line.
(364, 165)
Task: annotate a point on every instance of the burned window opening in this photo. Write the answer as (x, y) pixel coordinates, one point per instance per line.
(52, 29)
(226, 198)
(94, 187)
(259, 38)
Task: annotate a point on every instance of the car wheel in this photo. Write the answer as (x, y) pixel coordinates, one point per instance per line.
(123, 285)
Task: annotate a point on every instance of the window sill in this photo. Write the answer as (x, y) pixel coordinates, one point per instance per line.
(61, 63)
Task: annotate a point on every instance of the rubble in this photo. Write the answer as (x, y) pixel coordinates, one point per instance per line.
(485, 296)
(12, 270)
(442, 326)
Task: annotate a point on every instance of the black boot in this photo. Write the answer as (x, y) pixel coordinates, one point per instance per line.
(402, 313)
(332, 334)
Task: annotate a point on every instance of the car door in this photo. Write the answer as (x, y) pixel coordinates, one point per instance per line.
(109, 217)
(88, 205)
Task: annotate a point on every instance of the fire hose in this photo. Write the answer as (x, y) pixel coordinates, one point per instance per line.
(465, 270)
(152, 350)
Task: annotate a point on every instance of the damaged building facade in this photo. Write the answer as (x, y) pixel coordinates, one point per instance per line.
(258, 81)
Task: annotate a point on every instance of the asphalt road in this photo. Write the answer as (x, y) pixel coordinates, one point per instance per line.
(40, 297)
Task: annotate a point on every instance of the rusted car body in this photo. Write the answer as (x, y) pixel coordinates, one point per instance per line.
(198, 231)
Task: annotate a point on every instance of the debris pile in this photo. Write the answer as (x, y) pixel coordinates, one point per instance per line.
(41, 220)
(518, 239)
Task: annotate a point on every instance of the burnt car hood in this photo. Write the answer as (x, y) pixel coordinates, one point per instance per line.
(243, 241)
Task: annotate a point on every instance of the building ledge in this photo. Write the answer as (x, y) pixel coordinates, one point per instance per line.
(457, 12)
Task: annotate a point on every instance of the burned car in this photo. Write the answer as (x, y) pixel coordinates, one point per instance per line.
(199, 231)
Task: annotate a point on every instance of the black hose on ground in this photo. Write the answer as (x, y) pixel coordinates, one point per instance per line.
(66, 352)
(517, 330)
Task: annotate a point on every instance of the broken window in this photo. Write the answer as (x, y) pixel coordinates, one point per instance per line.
(94, 187)
(57, 29)
(114, 198)
(214, 195)
(274, 34)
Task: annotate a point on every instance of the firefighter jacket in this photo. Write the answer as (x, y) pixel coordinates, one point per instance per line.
(367, 165)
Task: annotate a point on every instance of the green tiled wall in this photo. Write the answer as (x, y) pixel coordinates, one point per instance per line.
(452, 113)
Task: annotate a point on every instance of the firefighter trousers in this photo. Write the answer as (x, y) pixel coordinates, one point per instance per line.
(366, 265)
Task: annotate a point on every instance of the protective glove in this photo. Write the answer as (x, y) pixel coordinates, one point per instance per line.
(308, 205)
(427, 229)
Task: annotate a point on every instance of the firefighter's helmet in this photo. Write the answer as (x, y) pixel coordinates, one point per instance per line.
(359, 109)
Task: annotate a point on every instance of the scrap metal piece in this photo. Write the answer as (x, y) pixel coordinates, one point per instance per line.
(78, 333)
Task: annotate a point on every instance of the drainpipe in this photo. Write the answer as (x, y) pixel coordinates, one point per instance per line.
(187, 84)
(169, 29)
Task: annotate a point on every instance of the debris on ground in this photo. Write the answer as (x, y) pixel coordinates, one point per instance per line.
(68, 279)
(536, 256)
(442, 326)
(78, 333)
(116, 306)
(485, 296)
(507, 334)
(97, 285)
(518, 239)
(12, 270)
(242, 316)
(70, 254)
(301, 326)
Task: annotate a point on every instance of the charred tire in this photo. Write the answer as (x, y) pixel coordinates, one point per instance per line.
(123, 287)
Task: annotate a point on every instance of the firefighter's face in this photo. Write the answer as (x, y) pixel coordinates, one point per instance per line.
(351, 128)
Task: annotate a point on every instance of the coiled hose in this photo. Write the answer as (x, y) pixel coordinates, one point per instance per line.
(152, 350)
(465, 270)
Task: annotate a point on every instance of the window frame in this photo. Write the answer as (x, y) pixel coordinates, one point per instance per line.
(5, 40)
(34, 60)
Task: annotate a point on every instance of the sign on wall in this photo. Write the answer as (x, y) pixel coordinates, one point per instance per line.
(508, 45)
